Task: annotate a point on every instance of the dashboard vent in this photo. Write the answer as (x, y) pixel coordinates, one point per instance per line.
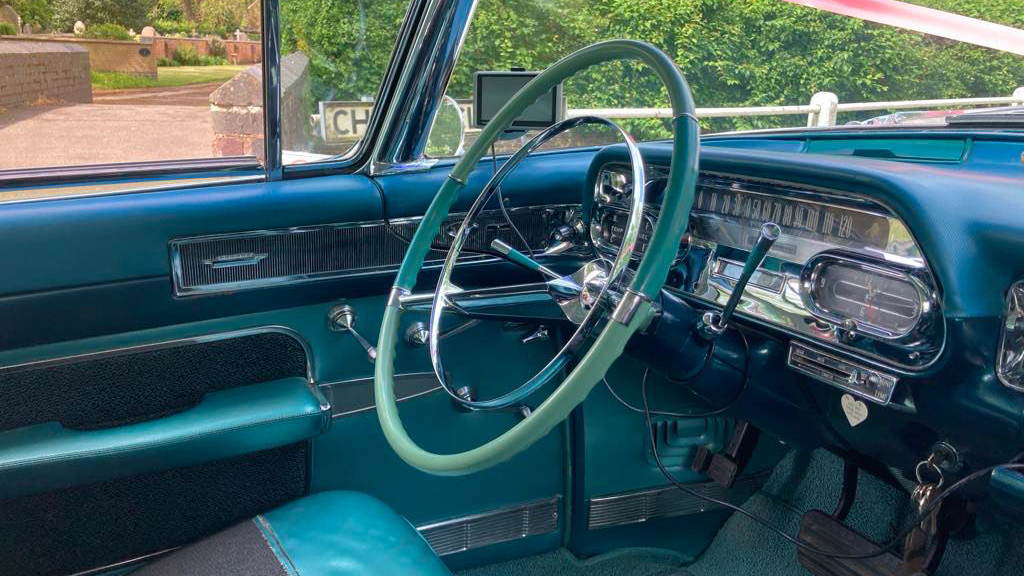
(245, 260)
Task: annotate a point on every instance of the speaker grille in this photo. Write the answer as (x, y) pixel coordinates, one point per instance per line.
(121, 387)
(246, 260)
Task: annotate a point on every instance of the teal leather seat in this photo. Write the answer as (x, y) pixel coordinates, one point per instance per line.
(325, 534)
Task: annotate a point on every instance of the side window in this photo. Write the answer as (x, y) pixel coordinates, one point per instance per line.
(84, 82)
(334, 56)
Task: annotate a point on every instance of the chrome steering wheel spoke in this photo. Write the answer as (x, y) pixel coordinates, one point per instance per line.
(584, 298)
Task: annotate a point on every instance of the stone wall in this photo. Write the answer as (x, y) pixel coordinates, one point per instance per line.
(236, 52)
(237, 110)
(135, 58)
(32, 71)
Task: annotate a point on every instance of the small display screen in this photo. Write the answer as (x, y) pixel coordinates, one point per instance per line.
(494, 89)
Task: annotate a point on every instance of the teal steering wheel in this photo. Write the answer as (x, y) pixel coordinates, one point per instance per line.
(633, 310)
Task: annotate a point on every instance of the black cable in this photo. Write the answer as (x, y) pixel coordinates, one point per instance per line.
(501, 204)
(919, 517)
(697, 374)
(743, 385)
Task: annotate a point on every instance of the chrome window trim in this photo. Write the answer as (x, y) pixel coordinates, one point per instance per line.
(187, 182)
(423, 81)
(177, 266)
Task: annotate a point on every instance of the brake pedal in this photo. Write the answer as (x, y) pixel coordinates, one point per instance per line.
(823, 532)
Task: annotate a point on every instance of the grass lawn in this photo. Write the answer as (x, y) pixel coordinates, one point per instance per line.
(166, 76)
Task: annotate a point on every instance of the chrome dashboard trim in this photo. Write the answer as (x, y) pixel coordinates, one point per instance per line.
(775, 299)
(382, 229)
(927, 295)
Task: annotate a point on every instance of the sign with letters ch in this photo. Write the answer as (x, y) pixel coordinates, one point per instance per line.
(346, 120)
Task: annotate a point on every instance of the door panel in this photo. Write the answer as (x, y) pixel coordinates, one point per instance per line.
(92, 275)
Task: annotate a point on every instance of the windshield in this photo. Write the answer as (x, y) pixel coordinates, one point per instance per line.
(760, 64)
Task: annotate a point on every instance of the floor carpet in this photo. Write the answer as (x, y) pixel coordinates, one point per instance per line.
(625, 562)
(803, 481)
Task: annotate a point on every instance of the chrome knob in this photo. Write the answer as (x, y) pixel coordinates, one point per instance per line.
(342, 318)
(561, 240)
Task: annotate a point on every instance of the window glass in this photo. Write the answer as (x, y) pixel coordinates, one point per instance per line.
(334, 56)
(87, 82)
(749, 53)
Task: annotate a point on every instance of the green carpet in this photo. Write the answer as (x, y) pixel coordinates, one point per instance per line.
(625, 562)
(803, 481)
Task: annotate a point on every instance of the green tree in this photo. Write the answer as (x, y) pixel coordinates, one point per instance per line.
(222, 17)
(127, 13)
(36, 12)
(348, 42)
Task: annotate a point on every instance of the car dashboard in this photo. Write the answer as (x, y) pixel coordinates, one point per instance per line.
(887, 285)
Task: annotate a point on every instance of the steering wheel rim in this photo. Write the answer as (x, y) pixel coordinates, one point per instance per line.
(633, 311)
(445, 288)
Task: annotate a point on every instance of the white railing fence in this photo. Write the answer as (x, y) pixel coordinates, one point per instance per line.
(821, 111)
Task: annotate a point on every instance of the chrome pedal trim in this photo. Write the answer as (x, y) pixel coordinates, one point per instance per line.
(667, 501)
(493, 527)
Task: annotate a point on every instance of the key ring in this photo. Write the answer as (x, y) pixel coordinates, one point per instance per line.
(929, 462)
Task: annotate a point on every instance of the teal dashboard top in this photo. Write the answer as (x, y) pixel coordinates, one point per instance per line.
(960, 193)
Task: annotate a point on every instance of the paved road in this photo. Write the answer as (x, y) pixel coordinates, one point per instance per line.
(119, 126)
(54, 135)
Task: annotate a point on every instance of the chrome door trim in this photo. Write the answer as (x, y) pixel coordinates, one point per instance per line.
(369, 381)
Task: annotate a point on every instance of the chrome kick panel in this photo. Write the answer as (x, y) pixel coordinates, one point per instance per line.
(262, 258)
(858, 380)
(493, 527)
(668, 501)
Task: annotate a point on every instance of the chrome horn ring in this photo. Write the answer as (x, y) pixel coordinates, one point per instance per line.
(586, 285)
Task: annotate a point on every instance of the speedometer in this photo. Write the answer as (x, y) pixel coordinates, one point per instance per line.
(877, 299)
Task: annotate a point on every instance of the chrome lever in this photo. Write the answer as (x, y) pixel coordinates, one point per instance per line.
(342, 318)
(517, 257)
(714, 323)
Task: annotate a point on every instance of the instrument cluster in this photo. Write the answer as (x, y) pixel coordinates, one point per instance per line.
(845, 273)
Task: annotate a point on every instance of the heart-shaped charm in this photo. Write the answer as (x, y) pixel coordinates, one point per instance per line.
(855, 410)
